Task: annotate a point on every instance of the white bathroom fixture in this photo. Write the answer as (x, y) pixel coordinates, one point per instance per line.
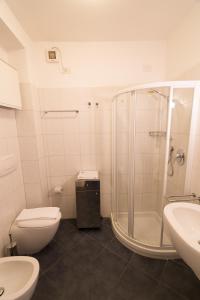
(144, 127)
(18, 277)
(88, 175)
(183, 222)
(10, 93)
(33, 229)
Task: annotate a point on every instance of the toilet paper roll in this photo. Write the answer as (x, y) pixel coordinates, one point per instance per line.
(58, 189)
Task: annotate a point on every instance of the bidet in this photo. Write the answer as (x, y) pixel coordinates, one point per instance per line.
(18, 277)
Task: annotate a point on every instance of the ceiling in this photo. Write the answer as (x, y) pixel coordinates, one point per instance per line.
(99, 20)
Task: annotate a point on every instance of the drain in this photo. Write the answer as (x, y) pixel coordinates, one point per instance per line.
(1, 291)
(198, 242)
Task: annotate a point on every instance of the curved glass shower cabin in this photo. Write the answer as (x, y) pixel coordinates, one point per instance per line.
(152, 151)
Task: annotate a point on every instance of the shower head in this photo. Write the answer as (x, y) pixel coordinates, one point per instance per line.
(157, 92)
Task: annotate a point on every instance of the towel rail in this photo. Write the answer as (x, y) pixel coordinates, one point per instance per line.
(183, 198)
(45, 112)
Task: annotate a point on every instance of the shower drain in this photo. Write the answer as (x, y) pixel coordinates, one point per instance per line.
(1, 291)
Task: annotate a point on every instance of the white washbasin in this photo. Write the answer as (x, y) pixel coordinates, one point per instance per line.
(183, 222)
(18, 277)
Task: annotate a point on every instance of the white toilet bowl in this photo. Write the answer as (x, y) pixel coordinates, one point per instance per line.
(34, 234)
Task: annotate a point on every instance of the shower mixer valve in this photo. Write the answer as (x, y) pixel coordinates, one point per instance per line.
(180, 157)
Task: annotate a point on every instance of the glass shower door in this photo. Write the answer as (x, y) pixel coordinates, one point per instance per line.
(122, 115)
(151, 111)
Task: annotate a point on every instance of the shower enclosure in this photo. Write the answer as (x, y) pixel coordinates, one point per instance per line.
(152, 152)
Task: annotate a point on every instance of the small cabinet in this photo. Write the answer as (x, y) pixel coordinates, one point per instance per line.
(9, 86)
(88, 203)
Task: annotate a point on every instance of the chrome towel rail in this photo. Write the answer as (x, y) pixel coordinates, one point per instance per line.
(157, 133)
(180, 198)
(45, 112)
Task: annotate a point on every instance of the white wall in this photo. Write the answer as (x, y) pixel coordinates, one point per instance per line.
(12, 196)
(183, 47)
(101, 63)
(76, 142)
(98, 70)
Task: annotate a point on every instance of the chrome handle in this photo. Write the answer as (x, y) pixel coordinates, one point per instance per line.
(183, 198)
(180, 157)
(1, 291)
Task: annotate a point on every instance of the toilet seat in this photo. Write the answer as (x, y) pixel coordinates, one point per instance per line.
(38, 222)
(38, 217)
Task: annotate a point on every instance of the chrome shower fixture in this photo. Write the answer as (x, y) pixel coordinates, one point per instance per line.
(157, 92)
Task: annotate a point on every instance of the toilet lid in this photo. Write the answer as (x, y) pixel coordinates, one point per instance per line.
(37, 223)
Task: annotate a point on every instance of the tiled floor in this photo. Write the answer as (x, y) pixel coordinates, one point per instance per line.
(93, 265)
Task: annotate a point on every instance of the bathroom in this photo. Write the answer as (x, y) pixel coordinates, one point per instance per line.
(81, 67)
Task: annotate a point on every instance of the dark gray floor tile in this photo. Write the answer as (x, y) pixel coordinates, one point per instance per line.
(67, 225)
(47, 290)
(48, 256)
(134, 285)
(164, 293)
(100, 294)
(85, 251)
(181, 263)
(67, 240)
(73, 278)
(104, 234)
(93, 265)
(115, 246)
(152, 267)
(107, 269)
(182, 280)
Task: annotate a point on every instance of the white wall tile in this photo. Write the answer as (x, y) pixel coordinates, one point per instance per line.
(54, 144)
(33, 195)
(57, 165)
(105, 205)
(88, 144)
(31, 171)
(72, 143)
(28, 148)
(72, 164)
(25, 123)
(12, 198)
(86, 137)
(52, 126)
(88, 162)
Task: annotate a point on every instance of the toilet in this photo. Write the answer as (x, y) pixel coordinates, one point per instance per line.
(33, 229)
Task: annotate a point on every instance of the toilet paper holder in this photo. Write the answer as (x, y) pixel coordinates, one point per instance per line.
(58, 189)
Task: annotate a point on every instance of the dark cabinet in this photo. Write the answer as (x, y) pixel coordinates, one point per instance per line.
(88, 203)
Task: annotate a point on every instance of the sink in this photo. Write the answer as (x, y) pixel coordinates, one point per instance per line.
(183, 223)
(18, 277)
